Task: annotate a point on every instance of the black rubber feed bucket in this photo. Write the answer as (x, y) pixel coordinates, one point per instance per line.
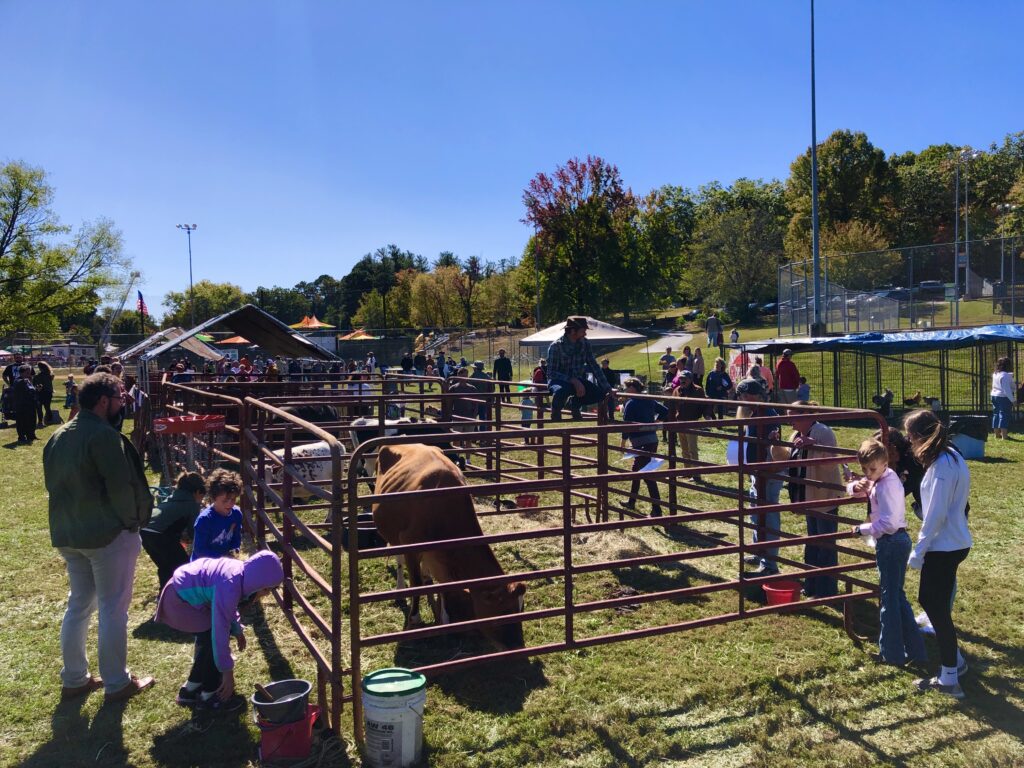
(366, 532)
(291, 698)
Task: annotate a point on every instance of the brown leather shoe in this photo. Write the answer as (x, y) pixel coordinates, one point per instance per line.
(135, 685)
(90, 685)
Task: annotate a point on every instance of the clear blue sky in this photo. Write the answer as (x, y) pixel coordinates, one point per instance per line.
(301, 135)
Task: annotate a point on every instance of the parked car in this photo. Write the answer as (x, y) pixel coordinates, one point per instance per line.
(931, 290)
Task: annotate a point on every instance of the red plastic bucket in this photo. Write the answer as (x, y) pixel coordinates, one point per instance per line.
(287, 741)
(782, 592)
(527, 500)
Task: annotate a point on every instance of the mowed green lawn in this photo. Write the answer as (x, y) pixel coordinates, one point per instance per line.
(785, 690)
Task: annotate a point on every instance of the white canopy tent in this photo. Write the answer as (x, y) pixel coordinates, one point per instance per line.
(193, 345)
(598, 333)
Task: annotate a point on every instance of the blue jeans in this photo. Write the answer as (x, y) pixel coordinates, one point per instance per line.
(560, 393)
(1002, 408)
(821, 556)
(773, 490)
(899, 639)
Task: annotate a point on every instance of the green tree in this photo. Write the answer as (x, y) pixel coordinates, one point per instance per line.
(737, 244)
(212, 299)
(286, 304)
(370, 312)
(433, 301)
(44, 278)
(856, 256)
(854, 182)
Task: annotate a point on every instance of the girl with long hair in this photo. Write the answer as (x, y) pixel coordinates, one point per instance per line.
(943, 542)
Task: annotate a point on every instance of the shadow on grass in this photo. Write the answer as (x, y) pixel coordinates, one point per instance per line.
(277, 664)
(77, 742)
(994, 460)
(153, 630)
(497, 688)
(500, 688)
(221, 740)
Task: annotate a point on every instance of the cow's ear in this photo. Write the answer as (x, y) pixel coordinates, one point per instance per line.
(387, 457)
(517, 588)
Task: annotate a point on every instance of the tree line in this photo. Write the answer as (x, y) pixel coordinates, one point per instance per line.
(597, 247)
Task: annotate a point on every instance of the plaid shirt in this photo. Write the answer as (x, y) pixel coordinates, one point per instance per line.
(571, 361)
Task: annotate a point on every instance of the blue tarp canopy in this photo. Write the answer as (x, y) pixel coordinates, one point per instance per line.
(895, 343)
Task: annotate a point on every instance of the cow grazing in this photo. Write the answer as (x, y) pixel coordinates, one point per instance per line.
(312, 462)
(418, 467)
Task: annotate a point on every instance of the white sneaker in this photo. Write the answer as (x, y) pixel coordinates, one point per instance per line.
(925, 623)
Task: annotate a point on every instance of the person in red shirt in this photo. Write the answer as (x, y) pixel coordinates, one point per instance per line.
(787, 377)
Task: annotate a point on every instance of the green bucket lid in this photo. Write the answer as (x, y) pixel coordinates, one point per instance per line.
(393, 681)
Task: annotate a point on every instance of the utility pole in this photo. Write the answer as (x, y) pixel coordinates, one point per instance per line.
(818, 328)
(189, 229)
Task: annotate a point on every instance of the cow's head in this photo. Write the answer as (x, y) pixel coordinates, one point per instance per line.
(500, 600)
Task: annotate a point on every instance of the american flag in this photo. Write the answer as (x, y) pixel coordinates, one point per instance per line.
(141, 305)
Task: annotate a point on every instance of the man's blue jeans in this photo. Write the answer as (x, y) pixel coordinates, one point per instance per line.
(560, 393)
(773, 490)
(821, 556)
(899, 639)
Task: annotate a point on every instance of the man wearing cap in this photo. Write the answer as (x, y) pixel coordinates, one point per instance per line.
(762, 490)
(569, 359)
(787, 377)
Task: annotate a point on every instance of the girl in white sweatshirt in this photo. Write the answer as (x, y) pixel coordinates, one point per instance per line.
(943, 542)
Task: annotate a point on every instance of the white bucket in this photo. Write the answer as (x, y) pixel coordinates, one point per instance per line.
(393, 703)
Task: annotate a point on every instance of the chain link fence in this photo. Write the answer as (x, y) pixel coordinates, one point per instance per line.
(906, 288)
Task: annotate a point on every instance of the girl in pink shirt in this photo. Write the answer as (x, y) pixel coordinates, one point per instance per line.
(900, 638)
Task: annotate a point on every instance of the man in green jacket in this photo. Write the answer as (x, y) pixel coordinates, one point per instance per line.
(99, 499)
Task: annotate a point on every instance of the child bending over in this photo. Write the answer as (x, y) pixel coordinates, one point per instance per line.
(204, 597)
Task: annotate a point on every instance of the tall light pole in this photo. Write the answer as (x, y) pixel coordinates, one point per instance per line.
(189, 229)
(817, 329)
(968, 156)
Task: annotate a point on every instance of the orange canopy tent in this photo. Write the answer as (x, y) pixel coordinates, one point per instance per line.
(357, 335)
(309, 323)
(234, 340)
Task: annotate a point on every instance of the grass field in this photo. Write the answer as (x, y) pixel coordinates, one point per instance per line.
(786, 690)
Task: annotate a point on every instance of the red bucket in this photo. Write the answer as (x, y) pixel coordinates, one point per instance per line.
(782, 592)
(527, 500)
(287, 741)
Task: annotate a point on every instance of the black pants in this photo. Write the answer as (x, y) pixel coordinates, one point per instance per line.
(43, 407)
(204, 669)
(25, 422)
(561, 393)
(938, 575)
(504, 389)
(166, 552)
(639, 462)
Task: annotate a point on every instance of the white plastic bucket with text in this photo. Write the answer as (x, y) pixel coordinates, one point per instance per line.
(393, 703)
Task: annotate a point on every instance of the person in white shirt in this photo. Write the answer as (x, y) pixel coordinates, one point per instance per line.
(943, 542)
(1003, 395)
(899, 640)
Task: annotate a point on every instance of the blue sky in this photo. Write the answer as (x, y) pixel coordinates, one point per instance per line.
(301, 135)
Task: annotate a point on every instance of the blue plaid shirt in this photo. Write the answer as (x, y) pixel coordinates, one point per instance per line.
(567, 360)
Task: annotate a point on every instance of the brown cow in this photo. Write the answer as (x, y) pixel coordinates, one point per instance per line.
(402, 468)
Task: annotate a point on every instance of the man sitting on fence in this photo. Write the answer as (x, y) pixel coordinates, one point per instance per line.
(569, 359)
